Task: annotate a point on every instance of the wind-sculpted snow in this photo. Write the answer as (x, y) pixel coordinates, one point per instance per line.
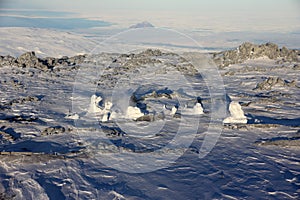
(44, 155)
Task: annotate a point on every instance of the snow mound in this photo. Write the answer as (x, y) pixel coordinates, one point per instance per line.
(196, 110)
(236, 114)
(133, 113)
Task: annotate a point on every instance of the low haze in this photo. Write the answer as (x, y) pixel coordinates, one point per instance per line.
(229, 15)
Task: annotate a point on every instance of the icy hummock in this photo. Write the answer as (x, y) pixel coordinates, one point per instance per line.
(236, 114)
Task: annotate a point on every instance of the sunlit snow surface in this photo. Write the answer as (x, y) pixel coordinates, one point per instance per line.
(239, 166)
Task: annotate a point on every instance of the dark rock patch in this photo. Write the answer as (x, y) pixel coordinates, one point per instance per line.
(54, 130)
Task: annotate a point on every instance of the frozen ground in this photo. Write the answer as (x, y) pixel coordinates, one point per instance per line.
(45, 156)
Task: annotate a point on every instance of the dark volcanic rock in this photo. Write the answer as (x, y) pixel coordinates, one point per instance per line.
(251, 51)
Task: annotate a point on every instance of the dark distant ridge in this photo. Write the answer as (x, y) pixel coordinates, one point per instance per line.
(248, 50)
(143, 24)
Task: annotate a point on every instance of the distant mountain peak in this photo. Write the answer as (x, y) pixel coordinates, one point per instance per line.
(143, 24)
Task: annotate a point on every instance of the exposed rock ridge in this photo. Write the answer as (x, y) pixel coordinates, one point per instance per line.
(29, 59)
(251, 51)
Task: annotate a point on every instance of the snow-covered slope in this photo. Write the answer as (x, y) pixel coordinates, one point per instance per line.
(45, 42)
(45, 155)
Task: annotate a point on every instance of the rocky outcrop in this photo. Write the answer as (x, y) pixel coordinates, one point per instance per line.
(270, 82)
(30, 60)
(281, 141)
(54, 130)
(24, 100)
(251, 51)
(151, 93)
(222, 59)
(18, 101)
(149, 53)
(7, 61)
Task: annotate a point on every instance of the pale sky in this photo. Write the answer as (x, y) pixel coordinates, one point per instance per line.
(228, 15)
